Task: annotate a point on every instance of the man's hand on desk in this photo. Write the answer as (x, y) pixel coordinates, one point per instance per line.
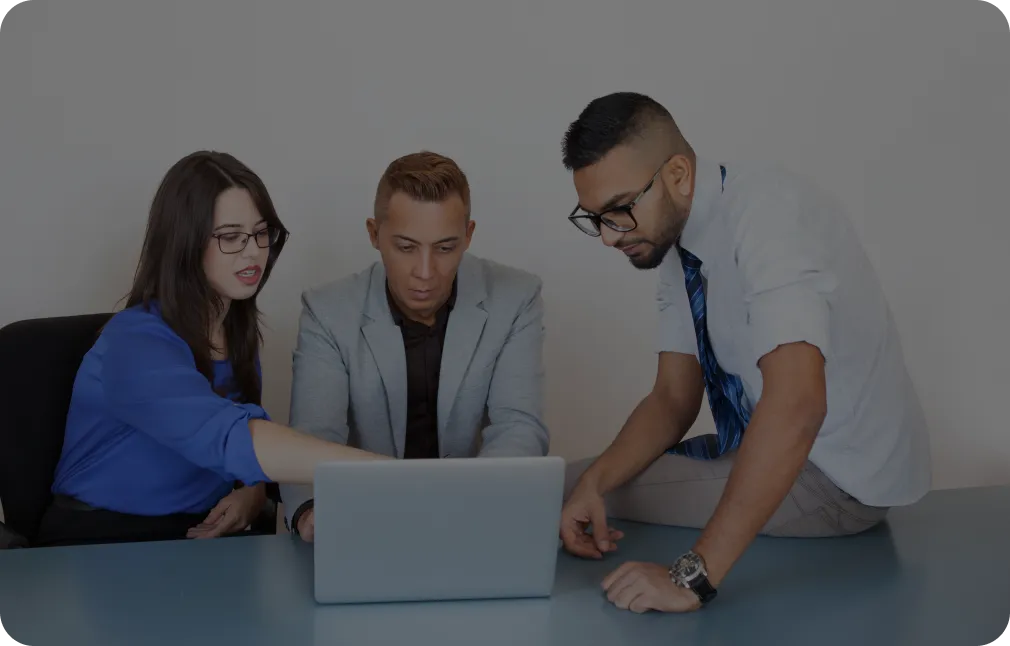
(640, 587)
(583, 509)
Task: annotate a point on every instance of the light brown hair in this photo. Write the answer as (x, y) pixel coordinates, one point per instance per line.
(424, 176)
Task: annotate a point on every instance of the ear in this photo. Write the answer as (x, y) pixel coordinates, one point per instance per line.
(373, 231)
(470, 226)
(678, 177)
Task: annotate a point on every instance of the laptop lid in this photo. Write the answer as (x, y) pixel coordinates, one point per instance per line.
(428, 530)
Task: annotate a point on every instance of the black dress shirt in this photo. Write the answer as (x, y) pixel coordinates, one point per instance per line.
(423, 346)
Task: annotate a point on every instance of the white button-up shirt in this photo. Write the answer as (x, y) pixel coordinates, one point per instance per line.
(782, 264)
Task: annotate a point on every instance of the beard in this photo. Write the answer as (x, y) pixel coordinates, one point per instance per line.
(652, 257)
(656, 250)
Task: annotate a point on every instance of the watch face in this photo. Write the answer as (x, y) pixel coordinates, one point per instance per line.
(687, 567)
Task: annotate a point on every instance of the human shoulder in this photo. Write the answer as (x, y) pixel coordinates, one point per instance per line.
(751, 182)
(766, 199)
(761, 182)
(508, 282)
(137, 323)
(340, 300)
(137, 336)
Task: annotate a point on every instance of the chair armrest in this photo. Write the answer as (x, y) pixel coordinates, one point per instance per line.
(273, 491)
(266, 521)
(9, 539)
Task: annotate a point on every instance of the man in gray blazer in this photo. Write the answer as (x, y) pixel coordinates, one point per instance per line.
(429, 353)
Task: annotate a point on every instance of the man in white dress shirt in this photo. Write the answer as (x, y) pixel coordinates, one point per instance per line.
(767, 304)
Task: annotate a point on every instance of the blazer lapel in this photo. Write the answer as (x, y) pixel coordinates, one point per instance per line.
(466, 324)
(386, 344)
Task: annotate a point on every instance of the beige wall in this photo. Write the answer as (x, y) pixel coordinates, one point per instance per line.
(890, 104)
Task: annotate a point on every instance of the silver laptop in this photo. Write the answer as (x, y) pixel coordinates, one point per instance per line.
(434, 530)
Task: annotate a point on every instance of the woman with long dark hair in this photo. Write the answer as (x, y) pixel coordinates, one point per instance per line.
(165, 436)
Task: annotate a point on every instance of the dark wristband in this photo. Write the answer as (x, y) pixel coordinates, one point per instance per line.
(295, 517)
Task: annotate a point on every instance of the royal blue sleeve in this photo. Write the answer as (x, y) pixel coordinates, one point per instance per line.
(152, 384)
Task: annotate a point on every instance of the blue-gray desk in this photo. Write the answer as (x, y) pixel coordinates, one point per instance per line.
(936, 573)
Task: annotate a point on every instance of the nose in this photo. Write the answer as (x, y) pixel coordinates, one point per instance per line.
(251, 250)
(609, 236)
(424, 268)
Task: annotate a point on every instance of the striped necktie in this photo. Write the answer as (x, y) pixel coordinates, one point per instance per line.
(725, 391)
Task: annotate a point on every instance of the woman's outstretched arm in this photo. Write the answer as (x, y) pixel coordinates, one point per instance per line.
(290, 456)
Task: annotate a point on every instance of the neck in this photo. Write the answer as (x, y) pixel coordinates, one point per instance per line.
(427, 318)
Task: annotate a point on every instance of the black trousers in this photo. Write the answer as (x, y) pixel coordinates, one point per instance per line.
(69, 522)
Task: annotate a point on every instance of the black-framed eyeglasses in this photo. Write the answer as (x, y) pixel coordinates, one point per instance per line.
(236, 241)
(619, 218)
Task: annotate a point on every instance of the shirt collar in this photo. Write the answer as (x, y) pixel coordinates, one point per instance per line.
(707, 187)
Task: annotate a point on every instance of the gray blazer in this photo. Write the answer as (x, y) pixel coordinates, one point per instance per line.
(350, 368)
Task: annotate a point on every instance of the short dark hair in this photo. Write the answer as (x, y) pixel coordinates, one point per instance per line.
(606, 123)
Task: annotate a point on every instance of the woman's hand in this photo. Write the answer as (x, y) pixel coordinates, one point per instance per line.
(232, 514)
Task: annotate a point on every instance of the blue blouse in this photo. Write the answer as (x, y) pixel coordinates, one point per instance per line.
(146, 433)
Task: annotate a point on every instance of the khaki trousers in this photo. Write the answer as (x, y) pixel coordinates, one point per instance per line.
(684, 492)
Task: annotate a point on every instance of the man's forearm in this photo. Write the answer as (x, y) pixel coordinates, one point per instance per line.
(652, 428)
(775, 447)
(519, 438)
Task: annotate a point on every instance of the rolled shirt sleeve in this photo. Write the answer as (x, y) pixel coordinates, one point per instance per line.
(152, 384)
(787, 275)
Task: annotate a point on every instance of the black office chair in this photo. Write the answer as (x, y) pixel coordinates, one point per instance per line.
(39, 359)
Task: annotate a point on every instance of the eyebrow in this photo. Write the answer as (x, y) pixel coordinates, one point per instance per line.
(412, 241)
(237, 226)
(617, 199)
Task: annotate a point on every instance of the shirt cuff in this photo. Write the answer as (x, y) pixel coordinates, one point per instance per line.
(240, 456)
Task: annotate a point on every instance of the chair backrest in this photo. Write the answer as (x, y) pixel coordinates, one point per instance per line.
(39, 359)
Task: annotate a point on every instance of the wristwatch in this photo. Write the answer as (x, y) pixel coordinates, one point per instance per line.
(689, 572)
(297, 516)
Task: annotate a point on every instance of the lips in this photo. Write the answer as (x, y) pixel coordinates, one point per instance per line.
(630, 249)
(250, 275)
(420, 294)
